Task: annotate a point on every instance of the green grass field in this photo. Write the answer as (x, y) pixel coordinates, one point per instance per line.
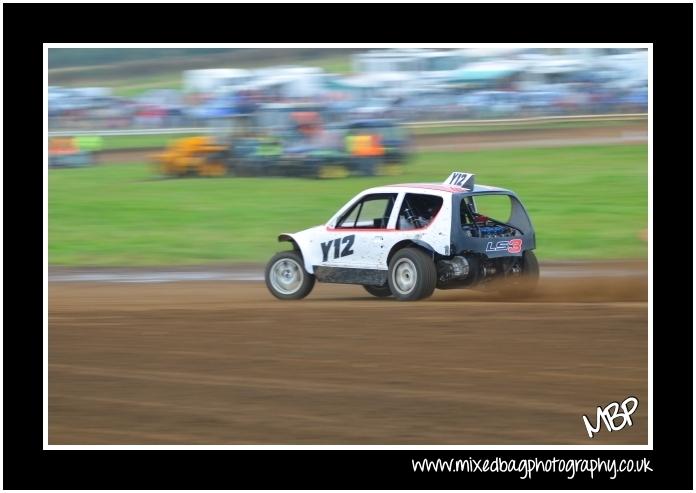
(586, 202)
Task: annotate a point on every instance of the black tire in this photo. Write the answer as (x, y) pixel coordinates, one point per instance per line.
(527, 282)
(378, 291)
(283, 286)
(412, 275)
(530, 268)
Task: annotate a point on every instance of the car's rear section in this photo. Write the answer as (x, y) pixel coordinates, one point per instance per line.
(487, 250)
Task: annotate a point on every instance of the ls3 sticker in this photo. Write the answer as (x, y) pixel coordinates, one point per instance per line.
(512, 246)
(337, 252)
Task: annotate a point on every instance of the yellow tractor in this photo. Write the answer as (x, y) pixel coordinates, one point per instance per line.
(193, 156)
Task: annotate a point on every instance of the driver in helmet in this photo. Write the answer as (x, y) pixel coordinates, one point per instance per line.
(414, 218)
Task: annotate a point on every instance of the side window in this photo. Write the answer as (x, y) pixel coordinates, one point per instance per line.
(372, 212)
(348, 221)
(418, 210)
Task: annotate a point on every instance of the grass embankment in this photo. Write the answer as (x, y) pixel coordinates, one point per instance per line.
(586, 202)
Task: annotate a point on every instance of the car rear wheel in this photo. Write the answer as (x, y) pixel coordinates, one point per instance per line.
(378, 291)
(525, 281)
(286, 277)
(412, 275)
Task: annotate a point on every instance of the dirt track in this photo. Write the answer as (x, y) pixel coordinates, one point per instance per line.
(225, 363)
(627, 133)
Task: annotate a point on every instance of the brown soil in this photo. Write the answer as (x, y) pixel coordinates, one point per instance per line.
(512, 138)
(226, 363)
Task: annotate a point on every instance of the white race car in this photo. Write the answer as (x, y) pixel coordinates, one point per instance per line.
(406, 240)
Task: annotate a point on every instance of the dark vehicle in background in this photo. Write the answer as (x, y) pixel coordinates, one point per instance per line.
(65, 152)
(286, 139)
(393, 136)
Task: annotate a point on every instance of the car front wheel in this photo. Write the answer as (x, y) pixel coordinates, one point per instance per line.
(286, 277)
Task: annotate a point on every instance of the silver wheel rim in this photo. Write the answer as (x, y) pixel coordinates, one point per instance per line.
(286, 276)
(404, 276)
